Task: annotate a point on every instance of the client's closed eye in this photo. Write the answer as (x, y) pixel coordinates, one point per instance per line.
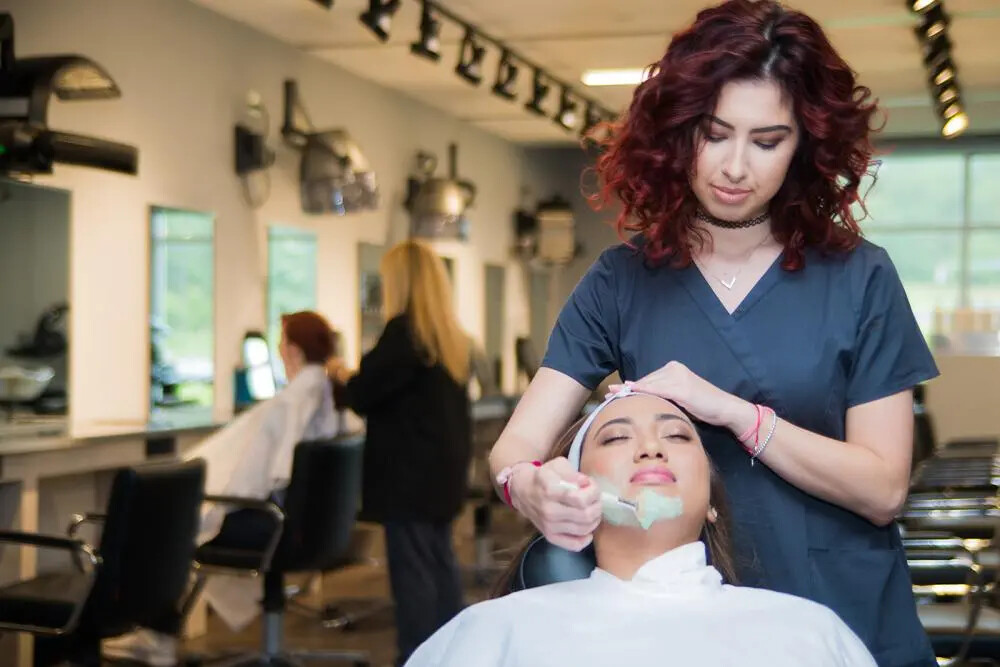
(612, 438)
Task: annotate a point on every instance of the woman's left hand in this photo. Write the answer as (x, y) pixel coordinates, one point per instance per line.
(706, 402)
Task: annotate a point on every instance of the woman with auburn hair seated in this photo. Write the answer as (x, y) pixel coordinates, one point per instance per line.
(653, 599)
(251, 458)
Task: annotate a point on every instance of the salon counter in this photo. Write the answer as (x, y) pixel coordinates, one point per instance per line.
(40, 459)
(47, 475)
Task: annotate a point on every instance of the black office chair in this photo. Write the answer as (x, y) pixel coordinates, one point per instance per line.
(319, 513)
(143, 567)
(343, 613)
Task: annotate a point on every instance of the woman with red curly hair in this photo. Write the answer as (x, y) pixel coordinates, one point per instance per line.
(747, 295)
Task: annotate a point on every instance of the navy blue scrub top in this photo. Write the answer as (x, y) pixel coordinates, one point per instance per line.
(810, 344)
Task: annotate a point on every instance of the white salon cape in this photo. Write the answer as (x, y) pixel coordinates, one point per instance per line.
(676, 611)
(251, 458)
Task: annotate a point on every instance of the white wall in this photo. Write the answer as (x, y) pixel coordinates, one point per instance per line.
(963, 400)
(34, 256)
(185, 73)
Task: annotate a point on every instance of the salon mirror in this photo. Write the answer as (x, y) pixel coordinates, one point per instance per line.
(181, 313)
(34, 307)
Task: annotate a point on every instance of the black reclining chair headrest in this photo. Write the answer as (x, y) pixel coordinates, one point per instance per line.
(544, 563)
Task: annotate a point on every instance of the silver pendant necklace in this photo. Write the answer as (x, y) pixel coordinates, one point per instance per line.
(728, 284)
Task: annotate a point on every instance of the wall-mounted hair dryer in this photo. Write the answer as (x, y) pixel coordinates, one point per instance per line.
(27, 145)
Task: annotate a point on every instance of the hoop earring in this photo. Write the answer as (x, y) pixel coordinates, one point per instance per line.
(713, 513)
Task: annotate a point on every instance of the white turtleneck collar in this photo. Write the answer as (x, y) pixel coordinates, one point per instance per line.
(682, 571)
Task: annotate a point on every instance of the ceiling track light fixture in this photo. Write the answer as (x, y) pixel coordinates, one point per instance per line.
(506, 77)
(949, 109)
(942, 75)
(942, 72)
(591, 118)
(539, 91)
(378, 18)
(566, 116)
(936, 48)
(934, 23)
(470, 60)
(947, 93)
(429, 44)
(955, 125)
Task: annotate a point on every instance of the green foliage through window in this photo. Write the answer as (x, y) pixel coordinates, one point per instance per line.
(938, 216)
(182, 307)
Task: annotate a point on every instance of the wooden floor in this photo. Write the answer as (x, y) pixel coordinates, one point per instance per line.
(356, 589)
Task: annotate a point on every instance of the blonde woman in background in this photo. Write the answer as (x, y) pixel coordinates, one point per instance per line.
(412, 389)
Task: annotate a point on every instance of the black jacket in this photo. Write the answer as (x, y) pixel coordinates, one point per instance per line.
(418, 443)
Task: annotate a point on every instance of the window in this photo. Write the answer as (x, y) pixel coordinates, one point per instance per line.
(938, 216)
(291, 280)
(182, 308)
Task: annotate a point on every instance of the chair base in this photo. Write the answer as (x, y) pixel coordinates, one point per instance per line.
(333, 616)
(274, 654)
(335, 619)
(290, 659)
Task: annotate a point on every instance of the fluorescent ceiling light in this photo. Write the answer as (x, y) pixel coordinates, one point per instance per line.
(615, 77)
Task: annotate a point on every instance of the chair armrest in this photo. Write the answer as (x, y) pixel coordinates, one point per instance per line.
(78, 520)
(76, 547)
(265, 507)
(951, 542)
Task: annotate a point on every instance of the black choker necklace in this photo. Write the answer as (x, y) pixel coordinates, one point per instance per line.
(730, 224)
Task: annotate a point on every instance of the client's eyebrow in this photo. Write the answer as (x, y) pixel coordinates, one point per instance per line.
(756, 130)
(616, 420)
(666, 416)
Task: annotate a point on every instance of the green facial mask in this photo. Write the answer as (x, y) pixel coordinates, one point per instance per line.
(653, 507)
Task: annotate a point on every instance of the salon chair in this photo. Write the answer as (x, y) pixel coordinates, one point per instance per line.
(957, 472)
(982, 446)
(955, 495)
(141, 568)
(316, 523)
(544, 563)
(342, 613)
(966, 629)
(489, 417)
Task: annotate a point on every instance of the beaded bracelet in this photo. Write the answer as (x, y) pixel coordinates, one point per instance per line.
(760, 448)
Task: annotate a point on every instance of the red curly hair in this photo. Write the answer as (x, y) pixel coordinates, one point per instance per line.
(648, 155)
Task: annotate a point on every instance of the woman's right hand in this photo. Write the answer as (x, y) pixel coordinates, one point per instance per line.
(567, 517)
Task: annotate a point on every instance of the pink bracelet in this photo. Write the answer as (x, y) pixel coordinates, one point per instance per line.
(505, 476)
(753, 429)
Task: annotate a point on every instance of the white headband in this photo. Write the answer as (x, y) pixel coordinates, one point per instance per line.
(577, 446)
